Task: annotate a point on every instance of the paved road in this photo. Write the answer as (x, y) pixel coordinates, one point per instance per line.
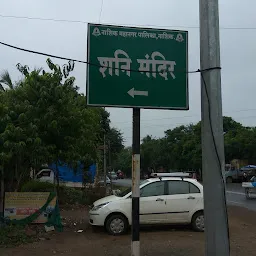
(234, 194)
(123, 182)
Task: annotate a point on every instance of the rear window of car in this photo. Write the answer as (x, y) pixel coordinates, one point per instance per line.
(181, 187)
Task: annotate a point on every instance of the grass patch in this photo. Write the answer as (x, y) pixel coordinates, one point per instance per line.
(37, 186)
(11, 236)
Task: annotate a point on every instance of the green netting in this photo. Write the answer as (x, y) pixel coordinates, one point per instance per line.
(53, 217)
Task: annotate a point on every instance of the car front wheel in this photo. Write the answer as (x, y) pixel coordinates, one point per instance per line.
(116, 225)
(198, 222)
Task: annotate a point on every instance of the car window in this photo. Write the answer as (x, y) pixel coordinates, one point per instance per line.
(193, 188)
(128, 190)
(178, 187)
(181, 187)
(153, 189)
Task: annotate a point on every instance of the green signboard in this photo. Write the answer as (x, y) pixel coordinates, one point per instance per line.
(137, 67)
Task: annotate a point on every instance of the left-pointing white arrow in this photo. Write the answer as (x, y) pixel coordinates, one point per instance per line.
(133, 93)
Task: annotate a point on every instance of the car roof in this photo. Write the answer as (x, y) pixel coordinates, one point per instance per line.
(171, 178)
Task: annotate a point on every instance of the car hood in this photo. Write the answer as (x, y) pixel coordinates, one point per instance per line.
(106, 199)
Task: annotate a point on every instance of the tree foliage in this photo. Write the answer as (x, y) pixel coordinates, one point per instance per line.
(124, 161)
(180, 148)
(44, 119)
(114, 141)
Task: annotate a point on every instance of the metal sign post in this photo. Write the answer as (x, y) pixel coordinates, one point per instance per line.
(136, 183)
(137, 68)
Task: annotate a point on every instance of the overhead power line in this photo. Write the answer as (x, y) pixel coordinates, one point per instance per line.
(101, 9)
(122, 24)
(174, 117)
(173, 125)
(97, 65)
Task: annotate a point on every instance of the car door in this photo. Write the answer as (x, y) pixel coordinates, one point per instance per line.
(182, 198)
(153, 203)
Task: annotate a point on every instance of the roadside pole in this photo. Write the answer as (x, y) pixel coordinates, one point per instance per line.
(213, 159)
(110, 165)
(109, 156)
(135, 250)
(2, 191)
(105, 163)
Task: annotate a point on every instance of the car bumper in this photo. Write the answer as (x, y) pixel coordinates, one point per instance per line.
(96, 219)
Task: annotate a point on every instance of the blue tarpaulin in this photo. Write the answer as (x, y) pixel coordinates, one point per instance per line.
(91, 173)
(66, 173)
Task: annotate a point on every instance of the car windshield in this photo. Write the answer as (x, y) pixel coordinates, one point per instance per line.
(128, 190)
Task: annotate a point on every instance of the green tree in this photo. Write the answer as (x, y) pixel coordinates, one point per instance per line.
(114, 141)
(44, 120)
(124, 161)
(180, 148)
(151, 153)
(5, 80)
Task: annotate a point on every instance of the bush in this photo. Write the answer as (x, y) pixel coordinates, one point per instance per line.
(69, 195)
(94, 193)
(37, 186)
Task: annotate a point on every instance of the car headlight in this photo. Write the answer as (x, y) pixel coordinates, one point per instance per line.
(96, 208)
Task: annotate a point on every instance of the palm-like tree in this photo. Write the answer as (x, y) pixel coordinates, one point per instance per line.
(5, 79)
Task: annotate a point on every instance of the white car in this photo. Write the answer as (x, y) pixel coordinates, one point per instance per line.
(164, 200)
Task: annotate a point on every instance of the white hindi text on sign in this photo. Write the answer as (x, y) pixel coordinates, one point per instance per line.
(153, 66)
(120, 63)
(157, 64)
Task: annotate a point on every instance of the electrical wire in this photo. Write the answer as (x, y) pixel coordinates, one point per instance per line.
(167, 126)
(123, 24)
(101, 9)
(41, 53)
(198, 116)
(97, 65)
(217, 154)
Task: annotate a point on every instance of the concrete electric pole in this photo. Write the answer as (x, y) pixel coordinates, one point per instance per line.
(213, 159)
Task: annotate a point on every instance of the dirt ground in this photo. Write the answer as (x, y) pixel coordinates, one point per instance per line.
(154, 241)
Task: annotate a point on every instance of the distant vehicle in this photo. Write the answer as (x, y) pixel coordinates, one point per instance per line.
(101, 181)
(238, 175)
(250, 185)
(163, 200)
(112, 176)
(194, 175)
(45, 175)
(249, 174)
(120, 175)
(145, 176)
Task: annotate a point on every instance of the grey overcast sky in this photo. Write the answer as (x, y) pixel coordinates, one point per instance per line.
(68, 39)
